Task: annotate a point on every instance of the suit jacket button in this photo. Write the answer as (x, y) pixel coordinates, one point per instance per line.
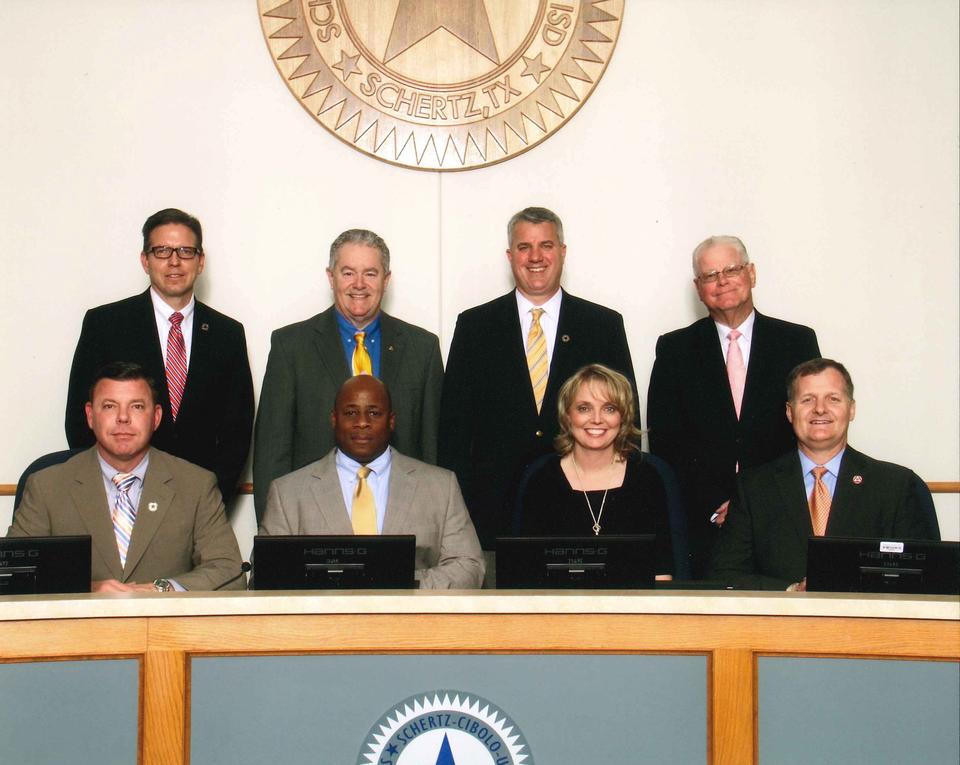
(539, 434)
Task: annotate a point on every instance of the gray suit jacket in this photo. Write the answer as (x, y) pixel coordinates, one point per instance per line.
(306, 368)
(422, 499)
(187, 538)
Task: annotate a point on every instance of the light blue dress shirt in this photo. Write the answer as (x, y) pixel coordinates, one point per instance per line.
(829, 478)
(378, 480)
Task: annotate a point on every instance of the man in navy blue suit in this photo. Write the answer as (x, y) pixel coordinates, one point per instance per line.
(507, 361)
(197, 356)
(715, 404)
(821, 487)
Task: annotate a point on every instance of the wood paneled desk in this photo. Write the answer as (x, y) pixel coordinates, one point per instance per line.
(731, 632)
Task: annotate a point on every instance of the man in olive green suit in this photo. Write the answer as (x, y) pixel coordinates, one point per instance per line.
(310, 360)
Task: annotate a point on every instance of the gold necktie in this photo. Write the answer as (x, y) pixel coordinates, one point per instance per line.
(819, 502)
(537, 357)
(361, 359)
(364, 513)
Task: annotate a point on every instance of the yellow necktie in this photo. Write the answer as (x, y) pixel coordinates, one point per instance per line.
(364, 513)
(819, 502)
(537, 357)
(361, 359)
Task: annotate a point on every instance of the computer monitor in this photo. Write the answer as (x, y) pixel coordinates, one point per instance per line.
(921, 567)
(44, 565)
(602, 563)
(325, 562)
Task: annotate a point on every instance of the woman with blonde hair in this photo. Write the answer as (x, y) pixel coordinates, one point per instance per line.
(597, 482)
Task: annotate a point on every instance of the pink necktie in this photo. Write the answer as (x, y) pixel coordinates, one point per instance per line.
(736, 370)
(176, 364)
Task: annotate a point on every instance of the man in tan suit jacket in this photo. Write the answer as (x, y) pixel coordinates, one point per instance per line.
(411, 497)
(180, 536)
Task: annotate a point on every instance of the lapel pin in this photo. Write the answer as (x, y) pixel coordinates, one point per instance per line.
(565, 338)
(204, 327)
(389, 347)
(857, 480)
(152, 507)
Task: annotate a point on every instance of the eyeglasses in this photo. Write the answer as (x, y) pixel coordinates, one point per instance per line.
(184, 253)
(729, 272)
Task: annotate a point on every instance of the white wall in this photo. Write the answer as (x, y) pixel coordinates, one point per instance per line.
(824, 134)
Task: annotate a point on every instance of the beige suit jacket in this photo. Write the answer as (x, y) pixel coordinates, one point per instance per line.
(422, 499)
(181, 531)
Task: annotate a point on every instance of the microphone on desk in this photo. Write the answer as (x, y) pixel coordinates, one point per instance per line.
(244, 568)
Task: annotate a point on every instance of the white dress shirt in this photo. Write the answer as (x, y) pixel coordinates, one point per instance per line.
(162, 313)
(549, 320)
(744, 341)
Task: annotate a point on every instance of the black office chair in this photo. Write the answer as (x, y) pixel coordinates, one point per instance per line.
(928, 509)
(47, 460)
(678, 516)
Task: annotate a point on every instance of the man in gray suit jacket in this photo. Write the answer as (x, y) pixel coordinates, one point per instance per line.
(310, 360)
(178, 536)
(364, 486)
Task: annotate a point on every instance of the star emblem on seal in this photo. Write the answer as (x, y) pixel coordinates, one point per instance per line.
(445, 84)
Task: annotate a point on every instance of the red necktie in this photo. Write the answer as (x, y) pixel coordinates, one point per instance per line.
(176, 364)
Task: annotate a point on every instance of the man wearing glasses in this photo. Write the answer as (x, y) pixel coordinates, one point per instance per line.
(197, 356)
(715, 404)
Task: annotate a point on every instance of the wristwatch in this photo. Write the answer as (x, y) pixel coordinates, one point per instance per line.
(163, 585)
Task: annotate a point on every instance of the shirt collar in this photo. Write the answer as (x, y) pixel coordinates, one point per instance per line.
(745, 329)
(165, 311)
(376, 466)
(550, 308)
(832, 465)
(109, 471)
(349, 329)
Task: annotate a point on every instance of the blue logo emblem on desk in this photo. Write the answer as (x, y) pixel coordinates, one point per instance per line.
(445, 728)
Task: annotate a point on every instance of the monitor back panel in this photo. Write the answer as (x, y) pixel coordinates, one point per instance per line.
(44, 565)
(601, 563)
(325, 562)
(922, 567)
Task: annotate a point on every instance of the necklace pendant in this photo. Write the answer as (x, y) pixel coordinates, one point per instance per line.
(596, 529)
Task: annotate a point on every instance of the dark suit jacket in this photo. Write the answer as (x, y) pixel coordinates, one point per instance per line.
(422, 499)
(763, 543)
(489, 425)
(306, 368)
(216, 414)
(186, 537)
(694, 426)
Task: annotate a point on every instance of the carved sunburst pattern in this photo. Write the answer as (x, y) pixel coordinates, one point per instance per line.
(446, 84)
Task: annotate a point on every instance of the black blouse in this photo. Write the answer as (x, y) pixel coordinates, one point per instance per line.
(548, 506)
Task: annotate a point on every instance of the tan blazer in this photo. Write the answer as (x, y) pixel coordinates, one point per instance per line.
(422, 499)
(186, 538)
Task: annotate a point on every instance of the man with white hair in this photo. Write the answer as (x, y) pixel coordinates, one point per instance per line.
(715, 404)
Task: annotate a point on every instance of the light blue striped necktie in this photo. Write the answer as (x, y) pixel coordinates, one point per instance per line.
(124, 514)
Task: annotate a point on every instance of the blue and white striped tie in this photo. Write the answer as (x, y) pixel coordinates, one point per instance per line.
(124, 514)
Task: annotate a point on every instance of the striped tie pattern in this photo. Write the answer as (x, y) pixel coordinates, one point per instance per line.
(819, 502)
(363, 516)
(362, 365)
(537, 357)
(176, 363)
(124, 514)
